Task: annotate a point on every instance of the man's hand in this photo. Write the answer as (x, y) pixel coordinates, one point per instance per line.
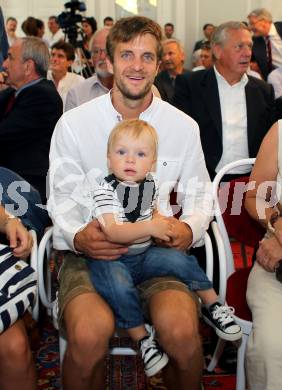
(19, 238)
(269, 254)
(181, 236)
(92, 242)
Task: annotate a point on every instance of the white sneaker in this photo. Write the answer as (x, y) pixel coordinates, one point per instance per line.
(152, 354)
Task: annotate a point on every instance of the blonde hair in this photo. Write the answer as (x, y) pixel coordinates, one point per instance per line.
(134, 128)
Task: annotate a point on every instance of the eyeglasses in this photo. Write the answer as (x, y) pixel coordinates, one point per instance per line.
(97, 51)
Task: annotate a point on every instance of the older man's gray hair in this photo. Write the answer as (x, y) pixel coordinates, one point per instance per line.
(220, 34)
(261, 14)
(35, 49)
(173, 40)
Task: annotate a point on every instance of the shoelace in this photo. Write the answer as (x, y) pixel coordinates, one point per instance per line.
(223, 314)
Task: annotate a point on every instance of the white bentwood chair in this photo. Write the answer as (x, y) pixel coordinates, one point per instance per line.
(226, 262)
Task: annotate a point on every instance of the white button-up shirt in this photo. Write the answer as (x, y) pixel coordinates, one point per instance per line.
(234, 121)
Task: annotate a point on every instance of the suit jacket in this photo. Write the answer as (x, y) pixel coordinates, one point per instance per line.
(259, 53)
(197, 95)
(165, 86)
(26, 130)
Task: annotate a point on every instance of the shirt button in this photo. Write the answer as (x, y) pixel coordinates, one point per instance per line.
(165, 164)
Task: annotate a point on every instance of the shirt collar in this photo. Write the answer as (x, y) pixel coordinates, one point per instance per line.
(142, 115)
(33, 82)
(220, 79)
(272, 31)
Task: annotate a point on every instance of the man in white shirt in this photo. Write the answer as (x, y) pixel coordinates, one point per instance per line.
(233, 110)
(267, 48)
(54, 28)
(62, 57)
(98, 84)
(77, 158)
(11, 28)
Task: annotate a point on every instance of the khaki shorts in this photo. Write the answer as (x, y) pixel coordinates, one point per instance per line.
(74, 280)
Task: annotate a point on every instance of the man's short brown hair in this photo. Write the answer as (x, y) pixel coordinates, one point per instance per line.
(126, 29)
(67, 48)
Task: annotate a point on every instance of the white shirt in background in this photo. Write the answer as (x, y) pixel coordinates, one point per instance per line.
(234, 122)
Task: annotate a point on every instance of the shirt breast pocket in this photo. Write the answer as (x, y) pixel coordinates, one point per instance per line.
(168, 171)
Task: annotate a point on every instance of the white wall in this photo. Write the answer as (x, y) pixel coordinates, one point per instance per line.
(187, 15)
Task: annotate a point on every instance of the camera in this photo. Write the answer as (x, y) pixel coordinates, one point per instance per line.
(68, 20)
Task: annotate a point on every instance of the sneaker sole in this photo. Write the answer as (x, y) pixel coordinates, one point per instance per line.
(157, 367)
(223, 335)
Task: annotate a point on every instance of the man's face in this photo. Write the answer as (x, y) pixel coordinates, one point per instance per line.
(234, 56)
(135, 66)
(14, 66)
(53, 26)
(173, 57)
(59, 61)
(99, 54)
(208, 32)
(259, 27)
(109, 23)
(168, 30)
(11, 26)
(206, 58)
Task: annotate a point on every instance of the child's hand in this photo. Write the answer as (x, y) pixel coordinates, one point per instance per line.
(161, 228)
(20, 239)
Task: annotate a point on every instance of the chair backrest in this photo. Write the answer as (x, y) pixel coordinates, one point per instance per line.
(231, 216)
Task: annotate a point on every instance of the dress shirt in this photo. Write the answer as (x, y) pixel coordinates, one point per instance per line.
(276, 46)
(275, 78)
(82, 93)
(234, 121)
(78, 157)
(66, 83)
(56, 37)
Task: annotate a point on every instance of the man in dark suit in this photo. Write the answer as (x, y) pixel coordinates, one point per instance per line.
(233, 110)
(172, 65)
(29, 110)
(208, 29)
(267, 48)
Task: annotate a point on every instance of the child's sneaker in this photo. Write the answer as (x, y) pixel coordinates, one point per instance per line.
(152, 354)
(222, 320)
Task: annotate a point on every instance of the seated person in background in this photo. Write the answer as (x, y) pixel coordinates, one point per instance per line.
(208, 29)
(16, 362)
(56, 34)
(101, 81)
(264, 292)
(11, 27)
(108, 22)
(275, 78)
(62, 57)
(89, 27)
(169, 30)
(233, 110)
(206, 58)
(126, 205)
(172, 65)
(29, 110)
(23, 201)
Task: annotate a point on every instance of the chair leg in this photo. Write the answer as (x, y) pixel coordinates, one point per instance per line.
(62, 348)
(240, 374)
(216, 355)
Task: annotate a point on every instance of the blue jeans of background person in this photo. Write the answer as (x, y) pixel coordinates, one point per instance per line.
(116, 280)
(22, 200)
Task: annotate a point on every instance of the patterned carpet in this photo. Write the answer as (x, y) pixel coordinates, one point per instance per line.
(126, 372)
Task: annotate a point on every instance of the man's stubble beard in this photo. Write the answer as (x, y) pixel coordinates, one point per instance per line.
(129, 95)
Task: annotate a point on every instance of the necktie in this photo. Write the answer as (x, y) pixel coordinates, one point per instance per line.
(268, 53)
(10, 102)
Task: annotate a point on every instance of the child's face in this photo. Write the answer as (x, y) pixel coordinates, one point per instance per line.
(130, 159)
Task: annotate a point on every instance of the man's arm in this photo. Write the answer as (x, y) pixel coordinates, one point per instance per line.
(127, 232)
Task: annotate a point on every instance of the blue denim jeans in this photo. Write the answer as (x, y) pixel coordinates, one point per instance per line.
(115, 280)
(22, 200)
